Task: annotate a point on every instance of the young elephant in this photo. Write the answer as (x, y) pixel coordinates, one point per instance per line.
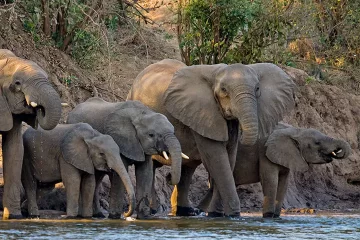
(139, 132)
(271, 159)
(70, 153)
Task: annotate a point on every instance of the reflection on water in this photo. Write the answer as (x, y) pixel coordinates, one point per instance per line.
(289, 227)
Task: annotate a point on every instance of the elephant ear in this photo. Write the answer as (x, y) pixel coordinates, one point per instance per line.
(75, 150)
(120, 127)
(190, 99)
(6, 119)
(277, 96)
(282, 148)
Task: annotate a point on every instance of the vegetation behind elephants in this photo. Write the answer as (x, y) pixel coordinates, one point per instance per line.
(326, 105)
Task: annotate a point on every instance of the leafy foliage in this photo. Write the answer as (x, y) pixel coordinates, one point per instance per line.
(207, 29)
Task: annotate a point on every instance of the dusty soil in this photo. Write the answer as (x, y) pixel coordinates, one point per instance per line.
(329, 109)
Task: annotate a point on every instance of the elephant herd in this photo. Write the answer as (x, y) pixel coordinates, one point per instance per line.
(227, 117)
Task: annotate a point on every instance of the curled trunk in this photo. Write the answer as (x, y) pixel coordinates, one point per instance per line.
(48, 110)
(173, 145)
(120, 169)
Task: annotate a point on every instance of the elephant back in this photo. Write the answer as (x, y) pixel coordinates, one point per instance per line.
(158, 76)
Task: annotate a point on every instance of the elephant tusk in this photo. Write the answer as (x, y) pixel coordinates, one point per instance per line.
(64, 104)
(184, 156)
(333, 153)
(339, 151)
(33, 104)
(165, 155)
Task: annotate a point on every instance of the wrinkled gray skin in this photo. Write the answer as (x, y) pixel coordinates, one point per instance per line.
(210, 106)
(271, 159)
(139, 133)
(21, 82)
(71, 153)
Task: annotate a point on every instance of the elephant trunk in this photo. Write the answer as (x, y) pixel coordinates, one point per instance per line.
(120, 169)
(245, 106)
(173, 145)
(338, 148)
(48, 109)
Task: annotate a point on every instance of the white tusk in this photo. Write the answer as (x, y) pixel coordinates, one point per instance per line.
(184, 156)
(64, 104)
(333, 153)
(33, 104)
(165, 155)
(340, 150)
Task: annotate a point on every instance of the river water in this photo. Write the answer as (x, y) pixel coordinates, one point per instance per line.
(248, 227)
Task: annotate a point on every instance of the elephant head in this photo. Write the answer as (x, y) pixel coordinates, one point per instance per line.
(203, 97)
(25, 89)
(295, 148)
(140, 131)
(87, 150)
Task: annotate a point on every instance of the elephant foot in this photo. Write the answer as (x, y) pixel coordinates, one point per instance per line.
(99, 215)
(114, 215)
(187, 211)
(276, 215)
(215, 214)
(268, 215)
(34, 216)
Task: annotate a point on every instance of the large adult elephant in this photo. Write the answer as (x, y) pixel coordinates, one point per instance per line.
(209, 105)
(25, 95)
(139, 132)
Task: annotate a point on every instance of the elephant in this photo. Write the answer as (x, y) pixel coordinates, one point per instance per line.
(25, 95)
(139, 132)
(271, 159)
(211, 106)
(70, 153)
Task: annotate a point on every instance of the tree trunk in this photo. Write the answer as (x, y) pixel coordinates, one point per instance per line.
(46, 17)
(80, 25)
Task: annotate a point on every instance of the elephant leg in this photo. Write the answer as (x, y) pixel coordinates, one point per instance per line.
(180, 203)
(144, 178)
(13, 152)
(97, 213)
(216, 159)
(154, 204)
(205, 201)
(87, 195)
(269, 182)
(71, 178)
(216, 207)
(281, 191)
(117, 192)
(30, 185)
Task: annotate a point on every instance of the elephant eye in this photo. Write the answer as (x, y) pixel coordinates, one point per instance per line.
(151, 135)
(257, 91)
(102, 154)
(16, 86)
(223, 89)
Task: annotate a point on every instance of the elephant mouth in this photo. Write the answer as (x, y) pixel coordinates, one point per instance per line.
(22, 107)
(329, 157)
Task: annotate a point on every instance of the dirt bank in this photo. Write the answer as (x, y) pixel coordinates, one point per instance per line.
(326, 108)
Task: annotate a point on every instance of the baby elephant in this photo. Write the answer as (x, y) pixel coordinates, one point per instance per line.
(70, 153)
(271, 159)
